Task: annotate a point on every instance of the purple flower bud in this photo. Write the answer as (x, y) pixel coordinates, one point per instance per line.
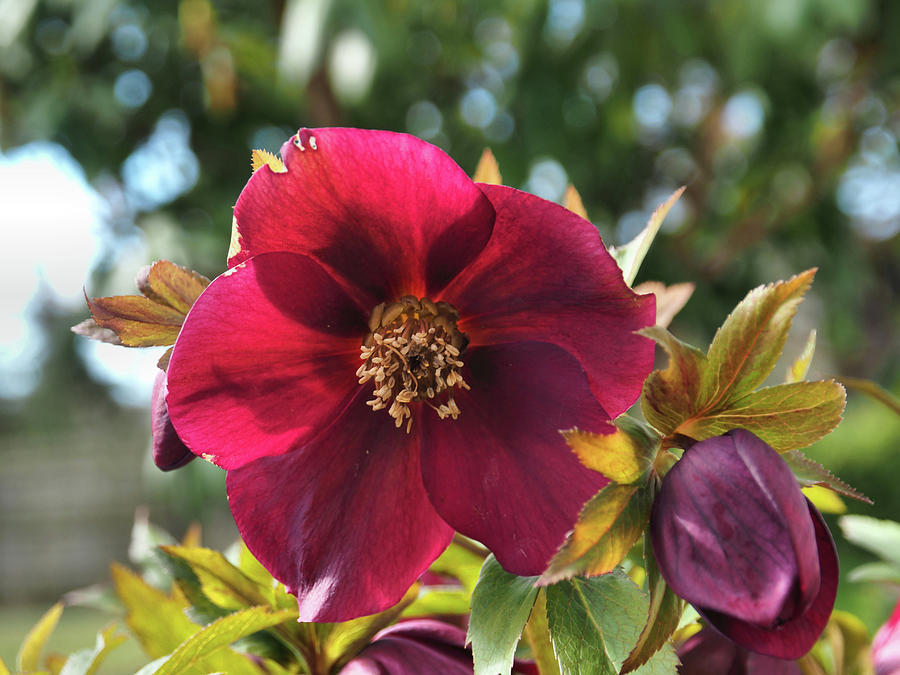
(169, 452)
(709, 653)
(734, 536)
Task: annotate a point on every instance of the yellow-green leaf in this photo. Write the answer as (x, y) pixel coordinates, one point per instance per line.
(157, 620)
(800, 367)
(631, 255)
(824, 499)
(537, 632)
(786, 416)
(746, 347)
(223, 583)
(607, 527)
(261, 158)
(219, 634)
(29, 655)
(622, 456)
(487, 171)
(3, 669)
(87, 661)
(572, 201)
(169, 284)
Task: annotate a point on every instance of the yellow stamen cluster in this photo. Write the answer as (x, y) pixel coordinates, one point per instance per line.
(412, 354)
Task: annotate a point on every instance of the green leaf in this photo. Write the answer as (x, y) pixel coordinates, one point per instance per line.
(800, 367)
(880, 572)
(30, 651)
(157, 620)
(595, 624)
(607, 527)
(631, 255)
(786, 416)
(809, 473)
(501, 605)
(670, 396)
(746, 347)
(623, 456)
(663, 616)
(169, 284)
(881, 537)
(223, 583)
(86, 661)
(220, 634)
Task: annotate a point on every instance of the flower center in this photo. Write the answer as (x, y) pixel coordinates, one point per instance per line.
(412, 354)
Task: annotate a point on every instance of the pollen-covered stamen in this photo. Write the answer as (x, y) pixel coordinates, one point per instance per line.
(412, 355)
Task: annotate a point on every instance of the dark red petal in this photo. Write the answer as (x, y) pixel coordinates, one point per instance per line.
(344, 521)
(794, 638)
(731, 533)
(266, 358)
(545, 275)
(169, 452)
(710, 653)
(422, 647)
(501, 473)
(389, 213)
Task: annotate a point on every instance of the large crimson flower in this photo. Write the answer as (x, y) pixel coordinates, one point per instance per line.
(390, 358)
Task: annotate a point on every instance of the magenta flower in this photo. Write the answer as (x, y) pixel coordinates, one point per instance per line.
(886, 646)
(169, 452)
(734, 536)
(710, 653)
(390, 358)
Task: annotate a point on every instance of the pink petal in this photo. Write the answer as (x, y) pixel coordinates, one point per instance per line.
(169, 452)
(387, 212)
(344, 521)
(421, 647)
(545, 275)
(502, 473)
(886, 646)
(266, 358)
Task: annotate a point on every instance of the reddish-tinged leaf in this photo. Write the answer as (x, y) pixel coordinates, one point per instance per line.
(487, 170)
(169, 284)
(608, 526)
(748, 344)
(809, 472)
(786, 416)
(669, 299)
(670, 396)
(139, 322)
(622, 456)
(663, 617)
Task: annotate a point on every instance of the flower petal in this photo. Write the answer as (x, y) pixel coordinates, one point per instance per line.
(344, 521)
(389, 213)
(421, 647)
(502, 473)
(731, 533)
(794, 638)
(545, 275)
(710, 653)
(169, 452)
(266, 358)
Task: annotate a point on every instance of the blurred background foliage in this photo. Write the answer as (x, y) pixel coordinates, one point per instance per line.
(125, 136)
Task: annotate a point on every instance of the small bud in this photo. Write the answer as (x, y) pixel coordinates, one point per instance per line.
(169, 452)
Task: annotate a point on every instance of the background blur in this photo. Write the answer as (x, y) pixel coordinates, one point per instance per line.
(125, 136)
